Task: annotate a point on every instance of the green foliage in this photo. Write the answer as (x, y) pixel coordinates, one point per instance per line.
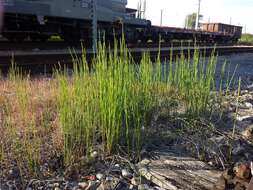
(109, 101)
(247, 38)
(190, 20)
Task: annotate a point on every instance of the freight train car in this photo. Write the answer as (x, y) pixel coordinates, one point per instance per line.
(72, 21)
(208, 34)
(228, 32)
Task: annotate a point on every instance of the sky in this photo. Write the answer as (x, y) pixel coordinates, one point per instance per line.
(238, 12)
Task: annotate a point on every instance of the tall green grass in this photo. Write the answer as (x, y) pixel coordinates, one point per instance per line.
(109, 101)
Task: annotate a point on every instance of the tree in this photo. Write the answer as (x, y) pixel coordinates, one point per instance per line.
(190, 20)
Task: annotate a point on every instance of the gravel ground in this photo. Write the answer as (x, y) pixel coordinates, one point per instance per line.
(242, 64)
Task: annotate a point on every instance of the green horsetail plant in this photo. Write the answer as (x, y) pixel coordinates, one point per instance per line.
(109, 101)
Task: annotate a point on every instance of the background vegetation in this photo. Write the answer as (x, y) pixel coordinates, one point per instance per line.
(246, 39)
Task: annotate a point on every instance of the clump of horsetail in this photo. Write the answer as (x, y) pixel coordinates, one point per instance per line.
(107, 102)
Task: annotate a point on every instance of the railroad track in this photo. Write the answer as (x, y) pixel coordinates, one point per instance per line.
(53, 45)
(43, 60)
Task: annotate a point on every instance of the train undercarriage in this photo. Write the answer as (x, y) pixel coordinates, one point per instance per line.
(20, 27)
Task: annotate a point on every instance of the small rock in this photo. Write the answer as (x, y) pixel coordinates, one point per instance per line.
(99, 176)
(248, 133)
(243, 171)
(133, 187)
(244, 118)
(117, 165)
(94, 154)
(248, 105)
(56, 184)
(109, 178)
(134, 181)
(251, 168)
(83, 185)
(145, 161)
(126, 173)
(244, 92)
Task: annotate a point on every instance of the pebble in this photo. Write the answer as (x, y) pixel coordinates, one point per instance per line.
(83, 185)
(56, 184)
(248, 105)
(126, 173)
(244, 118)
(94, 154)
(248, 132)
(244, 92)
(117, 165)
(134, 181)
(243, 171)
(99, 176)
(109, 178)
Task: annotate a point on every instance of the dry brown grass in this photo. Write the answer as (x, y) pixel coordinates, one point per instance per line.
(30, 130)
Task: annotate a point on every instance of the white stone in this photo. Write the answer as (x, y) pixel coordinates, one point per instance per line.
(94, 154)
(248, 105)
(251, 167)
(99, 176)
(117, 165)
(242, 118)
(126, 173)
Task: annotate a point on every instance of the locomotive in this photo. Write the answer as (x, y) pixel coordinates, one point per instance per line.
(72, 21)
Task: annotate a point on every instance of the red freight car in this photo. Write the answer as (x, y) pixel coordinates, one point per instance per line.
(225, 29)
